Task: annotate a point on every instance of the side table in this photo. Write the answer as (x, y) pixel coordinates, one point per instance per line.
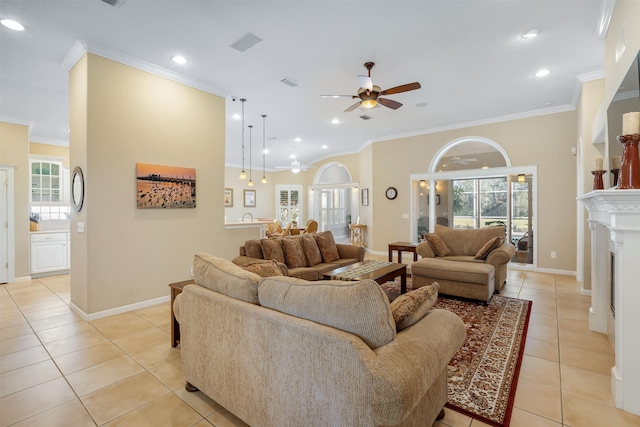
(176, 289)
(402, 247)
(357, 234)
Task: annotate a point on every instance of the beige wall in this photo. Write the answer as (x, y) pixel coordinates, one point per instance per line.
(14, 151)
(121, 116)
(50, 151)
(545, 141)
(588, 105)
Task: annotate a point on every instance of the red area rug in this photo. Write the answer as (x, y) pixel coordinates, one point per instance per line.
(483, 374)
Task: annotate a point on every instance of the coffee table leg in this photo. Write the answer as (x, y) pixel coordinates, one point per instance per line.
(403, 284)
(390, 254)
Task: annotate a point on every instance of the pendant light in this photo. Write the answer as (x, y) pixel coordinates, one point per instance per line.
(264, 151)
(243, 174)
(250, 183)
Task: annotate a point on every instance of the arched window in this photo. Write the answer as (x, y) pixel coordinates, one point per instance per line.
(471, 183)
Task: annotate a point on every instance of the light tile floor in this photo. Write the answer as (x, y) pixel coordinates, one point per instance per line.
(59, 370)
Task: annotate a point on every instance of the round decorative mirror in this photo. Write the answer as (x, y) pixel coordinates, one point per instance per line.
(77, 189)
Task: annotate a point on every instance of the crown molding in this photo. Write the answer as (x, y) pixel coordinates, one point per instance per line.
(492, 120)
(80, 47)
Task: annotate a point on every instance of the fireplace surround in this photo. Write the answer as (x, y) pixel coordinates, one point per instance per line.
(614, 220)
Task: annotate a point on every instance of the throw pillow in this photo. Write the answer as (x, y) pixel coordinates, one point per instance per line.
(272, 249)
(409, 308)
(327, 246)
(253, 249)
(491, 244)
(437, 244)
(267, 268)
(360, 308)
(311, 250)
(293, 252)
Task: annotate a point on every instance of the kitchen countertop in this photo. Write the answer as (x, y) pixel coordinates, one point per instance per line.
(65, 230)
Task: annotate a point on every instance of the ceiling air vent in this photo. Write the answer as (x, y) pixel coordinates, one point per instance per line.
(115, 3)
(365, 117)
(290, 82)
(246, 42)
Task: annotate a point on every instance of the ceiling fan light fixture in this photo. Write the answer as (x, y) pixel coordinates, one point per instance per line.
(369, 103)
(295, 166)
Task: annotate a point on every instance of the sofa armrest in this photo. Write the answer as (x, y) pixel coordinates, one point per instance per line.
(350, 251)
(244, 260)
(501, 255)
(408, 366)
(425, 250)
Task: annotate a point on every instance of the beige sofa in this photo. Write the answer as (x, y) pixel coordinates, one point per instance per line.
(305, 256)
(464, 272)
(281, 351)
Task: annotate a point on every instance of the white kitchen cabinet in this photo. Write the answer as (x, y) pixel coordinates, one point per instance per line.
(49, 252)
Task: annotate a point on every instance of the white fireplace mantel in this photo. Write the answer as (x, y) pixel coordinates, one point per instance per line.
(614, 219)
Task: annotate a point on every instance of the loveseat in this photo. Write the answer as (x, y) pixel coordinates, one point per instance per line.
(305, 256)
(281, 351)
(469, 263)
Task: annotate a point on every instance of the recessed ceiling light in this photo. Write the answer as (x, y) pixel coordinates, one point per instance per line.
(179, 59)
(535, 32)
(543, 72)
(11, 24)
(236, 116)
(335, 121)
(324, 147)
(298, 139)
(265, 151)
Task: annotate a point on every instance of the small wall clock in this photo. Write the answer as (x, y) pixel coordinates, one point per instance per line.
(391, 193)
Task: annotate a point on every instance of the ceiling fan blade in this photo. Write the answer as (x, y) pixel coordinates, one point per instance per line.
(353, 107)
(394, 105)
(402, 88)
(365, 82)
(338, 96)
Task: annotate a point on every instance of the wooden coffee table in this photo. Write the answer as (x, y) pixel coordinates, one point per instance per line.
(381, 275)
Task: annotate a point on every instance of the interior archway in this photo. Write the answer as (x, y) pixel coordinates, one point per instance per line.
(333, 199)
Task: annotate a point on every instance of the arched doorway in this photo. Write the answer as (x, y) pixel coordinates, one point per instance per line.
(471, 183)
(333, 199)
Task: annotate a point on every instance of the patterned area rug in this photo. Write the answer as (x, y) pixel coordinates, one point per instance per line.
(483, 374)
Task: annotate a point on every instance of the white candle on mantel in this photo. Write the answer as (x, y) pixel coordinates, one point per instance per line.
(631, 123)
(615, 162)
(598, 164)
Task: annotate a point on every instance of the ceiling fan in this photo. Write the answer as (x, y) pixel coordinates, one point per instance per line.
(369, 94)
(460, 161)
(295, 166)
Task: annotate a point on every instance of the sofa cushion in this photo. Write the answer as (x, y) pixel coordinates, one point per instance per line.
(253, 249)
(272, 249)
(311, 250)
(409, 308)
(360, 308)
(266, 268)
(293, 253)
(438, 245)
(493, 243)
(327, 246)
(221, 275)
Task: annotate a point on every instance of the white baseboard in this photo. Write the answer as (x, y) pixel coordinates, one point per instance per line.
(117, 310)
(554, 271)
(22, 279)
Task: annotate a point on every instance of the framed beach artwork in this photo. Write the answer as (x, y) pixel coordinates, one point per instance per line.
(249, 198)
(365, 197)
(228, 197)
(165, 187)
